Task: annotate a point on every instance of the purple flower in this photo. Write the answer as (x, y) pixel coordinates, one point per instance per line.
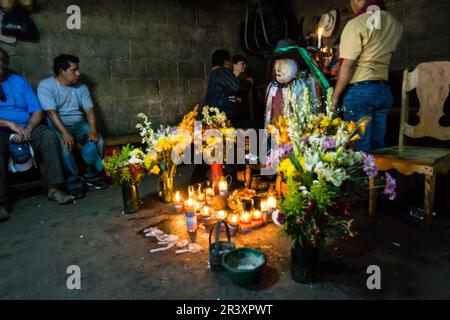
(369, 165)
(390, 187)
(280, 219)
(329, 143)
(284, 150)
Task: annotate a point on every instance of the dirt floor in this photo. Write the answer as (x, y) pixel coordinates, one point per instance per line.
(42, 239)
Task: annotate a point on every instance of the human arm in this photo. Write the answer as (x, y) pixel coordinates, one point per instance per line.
(68, 139)
(345, 75)
(92, 121)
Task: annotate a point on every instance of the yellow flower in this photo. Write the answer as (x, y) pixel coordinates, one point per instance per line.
(351, 126)
(287, 168)
(147, 161)
(155, 170)
(301, 160)
(328, 158)
(356, 137)
(325, 122)
(336, 122)
(363, 124)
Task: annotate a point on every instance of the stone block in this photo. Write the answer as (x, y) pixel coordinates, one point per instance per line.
(140, 49)
(142, 87)
(176, 50)
(197, 87)
(191, 70)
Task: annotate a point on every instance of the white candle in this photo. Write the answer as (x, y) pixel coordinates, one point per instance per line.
(320, 32)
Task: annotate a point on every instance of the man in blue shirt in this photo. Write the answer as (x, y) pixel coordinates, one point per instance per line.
(21, 115)
(71, 113)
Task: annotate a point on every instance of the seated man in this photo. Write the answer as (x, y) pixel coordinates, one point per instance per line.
(20, 116)
(71, 112)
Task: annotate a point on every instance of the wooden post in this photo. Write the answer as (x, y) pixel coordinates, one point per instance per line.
(430, 182)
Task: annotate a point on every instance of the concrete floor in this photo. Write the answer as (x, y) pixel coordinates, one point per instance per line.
(42, 239)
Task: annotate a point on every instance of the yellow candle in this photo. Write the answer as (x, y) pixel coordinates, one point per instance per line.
(177, 199)
(221, 215)
(257, 215)
(271, 203)
(209, 192)
(233, 219)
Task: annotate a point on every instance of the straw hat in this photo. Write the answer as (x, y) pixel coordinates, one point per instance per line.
(328, 22)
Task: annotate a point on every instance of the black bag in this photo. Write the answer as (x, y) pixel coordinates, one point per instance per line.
(19, 24)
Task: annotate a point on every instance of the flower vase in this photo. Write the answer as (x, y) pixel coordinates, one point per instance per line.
(304, 262)
(166, 192)
(130, 196)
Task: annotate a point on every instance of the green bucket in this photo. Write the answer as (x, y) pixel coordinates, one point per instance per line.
(244, 265)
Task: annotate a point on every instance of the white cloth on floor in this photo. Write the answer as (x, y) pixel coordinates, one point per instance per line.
(193, 248)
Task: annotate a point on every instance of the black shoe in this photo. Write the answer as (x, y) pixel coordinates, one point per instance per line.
(97, 184)
(77, 193)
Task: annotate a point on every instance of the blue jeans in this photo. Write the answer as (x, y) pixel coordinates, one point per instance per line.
(80, 132)
(373, 100)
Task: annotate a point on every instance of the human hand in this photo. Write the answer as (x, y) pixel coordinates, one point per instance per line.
(68, 140)
(23, 134)
(93, 136)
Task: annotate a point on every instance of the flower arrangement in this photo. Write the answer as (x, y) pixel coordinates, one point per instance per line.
(164, 147)
(125, 167)
(319, 166)
(215, 127)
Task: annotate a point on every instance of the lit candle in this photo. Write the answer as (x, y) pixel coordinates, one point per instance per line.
(271, 203)
(221, 215)
(191, 216)
(209, 192)
(233, 223)
(257, 220)
(320, 32)
(246, 222)
(205, 214)
(264, 211)
(223, 187)
(178, 202)
(191, 191)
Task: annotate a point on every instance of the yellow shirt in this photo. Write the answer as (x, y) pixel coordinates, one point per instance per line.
(372, 48)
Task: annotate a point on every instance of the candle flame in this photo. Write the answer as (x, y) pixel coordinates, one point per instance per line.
(257, 214)
(320, 32)
(177, 197)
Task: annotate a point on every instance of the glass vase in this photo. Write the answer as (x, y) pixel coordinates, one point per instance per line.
(130, 196)
(166, 192)
(304, 261)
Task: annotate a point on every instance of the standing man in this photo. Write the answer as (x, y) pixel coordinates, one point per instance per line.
(71, 112)
(20, 118)
(367, 44)
(223, 83)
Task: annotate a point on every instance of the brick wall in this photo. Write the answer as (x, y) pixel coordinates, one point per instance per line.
(150, 56)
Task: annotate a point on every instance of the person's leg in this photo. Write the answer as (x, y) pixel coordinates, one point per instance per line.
(384, 104)
(3, 175)
(95, 172)
(74, 183)
(46, 143)
(357, 105)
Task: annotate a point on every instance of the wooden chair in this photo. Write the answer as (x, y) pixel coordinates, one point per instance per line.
(431, 81)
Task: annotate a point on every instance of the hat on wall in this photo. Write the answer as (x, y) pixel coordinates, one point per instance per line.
(328, 22)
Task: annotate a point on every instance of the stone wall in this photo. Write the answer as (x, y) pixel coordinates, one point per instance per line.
(150, 56)
(426, 33)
